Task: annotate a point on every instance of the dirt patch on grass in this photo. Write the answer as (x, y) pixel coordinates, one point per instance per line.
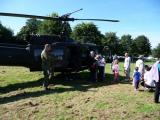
(2, 80)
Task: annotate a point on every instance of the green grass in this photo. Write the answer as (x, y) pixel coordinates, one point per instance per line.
(22, 98)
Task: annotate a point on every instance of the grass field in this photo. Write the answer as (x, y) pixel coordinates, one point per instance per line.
(23, 98)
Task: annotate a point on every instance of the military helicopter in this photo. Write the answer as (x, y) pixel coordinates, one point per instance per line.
(69, 55)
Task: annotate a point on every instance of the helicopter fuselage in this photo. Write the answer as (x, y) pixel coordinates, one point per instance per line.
(69, 55)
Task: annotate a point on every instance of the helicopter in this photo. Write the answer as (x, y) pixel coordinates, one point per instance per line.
(70, 56)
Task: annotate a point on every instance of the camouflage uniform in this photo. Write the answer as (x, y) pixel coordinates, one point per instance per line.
(47, 67)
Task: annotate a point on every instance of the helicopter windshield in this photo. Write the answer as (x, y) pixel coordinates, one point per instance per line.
(58, 53)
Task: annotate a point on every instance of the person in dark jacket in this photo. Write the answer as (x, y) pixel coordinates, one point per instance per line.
(92, 64)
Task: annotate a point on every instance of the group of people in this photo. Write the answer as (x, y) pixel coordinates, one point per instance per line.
(96, 63)
(147, 75)
(138, 74)
(144, 74)
(115, 67)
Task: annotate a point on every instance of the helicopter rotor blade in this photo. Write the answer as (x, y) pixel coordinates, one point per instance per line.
(51, 18)
(28, 16)
(36, 16)
(107, 20)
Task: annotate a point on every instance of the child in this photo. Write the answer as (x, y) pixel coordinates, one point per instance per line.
(115, 68)
(115, 57)
(136, 79)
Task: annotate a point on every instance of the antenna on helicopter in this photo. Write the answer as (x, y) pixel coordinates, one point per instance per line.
(69, 14)
(64, 34)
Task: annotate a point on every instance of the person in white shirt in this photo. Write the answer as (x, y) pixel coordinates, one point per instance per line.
(127, 63)
(140, 65)
(101, 67)
(148, 81)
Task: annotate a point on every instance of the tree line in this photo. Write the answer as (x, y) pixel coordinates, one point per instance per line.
(83, 33)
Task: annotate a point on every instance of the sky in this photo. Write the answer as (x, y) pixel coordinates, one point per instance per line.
(137, 17)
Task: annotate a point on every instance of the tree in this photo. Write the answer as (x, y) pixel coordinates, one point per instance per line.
(126, 43)
(87, 33)
(111, 40)
(31, 27)
(143, 45)
(24, 32)
(6, 34)
(50, 27)
(156, 51)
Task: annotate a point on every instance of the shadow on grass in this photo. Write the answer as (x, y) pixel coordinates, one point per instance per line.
(19, 86)
(77, 82)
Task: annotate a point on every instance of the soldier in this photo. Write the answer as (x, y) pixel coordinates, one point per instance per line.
(47, 65)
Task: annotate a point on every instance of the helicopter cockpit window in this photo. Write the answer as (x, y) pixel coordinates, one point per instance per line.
(58, 53)
(95, 49)
(84, 52)
(37, 52)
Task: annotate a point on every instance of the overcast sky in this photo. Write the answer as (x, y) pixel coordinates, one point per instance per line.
(137, 17)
